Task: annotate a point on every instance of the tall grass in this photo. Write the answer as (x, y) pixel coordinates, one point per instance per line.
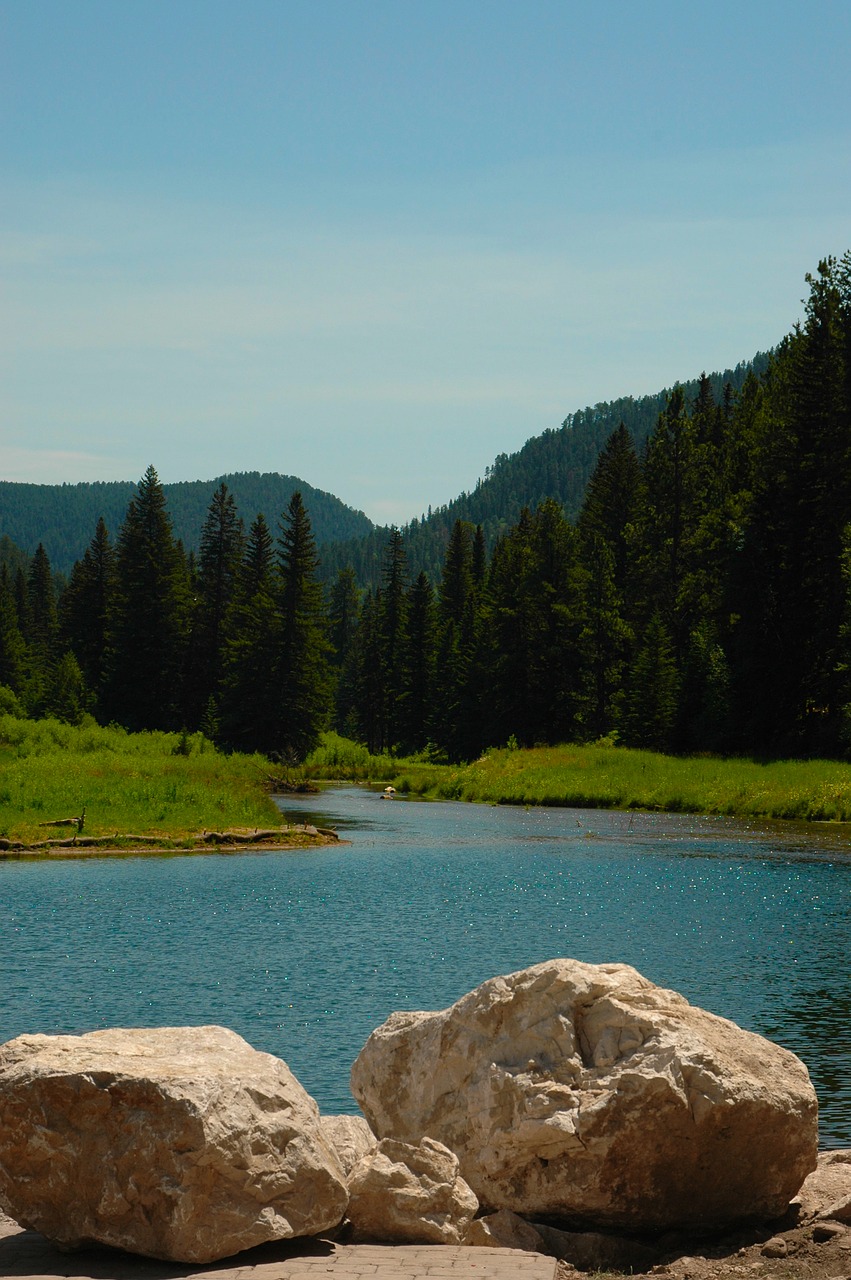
(341, 759)
(609, 777)
(156, 784)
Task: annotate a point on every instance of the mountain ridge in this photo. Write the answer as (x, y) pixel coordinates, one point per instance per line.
(63, 517)
(555, 463)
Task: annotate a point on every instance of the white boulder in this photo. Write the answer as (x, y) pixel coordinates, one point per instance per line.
(351, 1138)
(587, 1093)
(410, 1194)
(181, 1143)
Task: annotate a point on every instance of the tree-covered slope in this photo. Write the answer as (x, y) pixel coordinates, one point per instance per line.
(63, 517)
(556, 464)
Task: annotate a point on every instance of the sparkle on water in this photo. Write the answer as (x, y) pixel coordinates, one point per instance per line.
(304, 953)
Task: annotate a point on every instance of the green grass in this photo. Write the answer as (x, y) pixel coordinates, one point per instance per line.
(609, 777)
(341, 759)
(173, 787)
(154, 784)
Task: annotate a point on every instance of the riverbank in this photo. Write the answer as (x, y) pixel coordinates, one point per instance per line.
(602, 776)
(86, 787)
(220, 842)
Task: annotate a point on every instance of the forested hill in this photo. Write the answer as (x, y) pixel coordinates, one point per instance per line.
(556, 464)
(63, 517)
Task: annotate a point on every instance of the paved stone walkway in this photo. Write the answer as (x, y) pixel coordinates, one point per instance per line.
(24, 1255)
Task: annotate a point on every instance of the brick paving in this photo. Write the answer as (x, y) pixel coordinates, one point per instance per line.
(24, 1255)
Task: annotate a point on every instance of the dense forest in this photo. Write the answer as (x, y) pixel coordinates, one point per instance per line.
(699, 601)
(61, 516)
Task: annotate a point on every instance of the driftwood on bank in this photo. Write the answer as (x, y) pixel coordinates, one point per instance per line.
(67, 822)
(125, 842)
(259, 837)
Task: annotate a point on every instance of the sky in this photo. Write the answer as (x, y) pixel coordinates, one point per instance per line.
(373, 244)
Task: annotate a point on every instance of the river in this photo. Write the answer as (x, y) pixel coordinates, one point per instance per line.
(305, 952)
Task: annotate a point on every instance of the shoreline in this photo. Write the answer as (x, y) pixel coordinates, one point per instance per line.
(300, 840)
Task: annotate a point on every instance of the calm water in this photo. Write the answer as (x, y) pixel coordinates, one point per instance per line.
(304, 953)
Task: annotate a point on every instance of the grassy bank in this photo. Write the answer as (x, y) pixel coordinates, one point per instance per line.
(158, 785)
(615, 778)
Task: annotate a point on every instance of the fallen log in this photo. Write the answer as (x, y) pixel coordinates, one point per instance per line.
(240, 837)
(67, 822)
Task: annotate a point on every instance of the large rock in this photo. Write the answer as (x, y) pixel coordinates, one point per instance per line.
(409, 1194)
(350, 1137)
(179, 1143)
(587, 1093)
(827, 1191)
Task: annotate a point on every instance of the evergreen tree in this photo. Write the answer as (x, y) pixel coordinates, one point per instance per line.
(148, 626)
(457, 710)
(366, 676)
(531, 629)
(247, 711)
(86, 606)
(41, 597)
(392, 627)
(304, 679)
(14, 663)
(651, 707)
(606, 638)
(344, 617)
(789, 596)
(610, 592)
(66, 696)
(418, 667)
(218, 564)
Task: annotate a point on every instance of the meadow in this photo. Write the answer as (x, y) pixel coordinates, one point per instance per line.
(162, 786)
(609, 777)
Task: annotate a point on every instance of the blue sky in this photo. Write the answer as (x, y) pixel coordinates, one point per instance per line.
(376, 244)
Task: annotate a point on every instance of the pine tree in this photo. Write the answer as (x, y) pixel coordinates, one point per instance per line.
(304, 675)
(392, 628)
(218, 565)
(344, 618)
(418, 667)
(14, 662)
(148, 628)
(365, 674)
(86, 606)
(653, 691)
(40, 629)
(531, 632)
(789, 591)
(41, 597)
(246, 713)
(456, 712)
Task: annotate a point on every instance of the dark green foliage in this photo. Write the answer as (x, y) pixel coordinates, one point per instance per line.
(66, 697)
(652, 698)
(788, 589)
(62, 516)
(14, 657)
(531, 632)
(213, 585)
(276, 690)
(86, 608)
(248, 689)
(149, 620)
(392, 618)
(304, 689)
(365, 674)
(418, 668)
(344, 619)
